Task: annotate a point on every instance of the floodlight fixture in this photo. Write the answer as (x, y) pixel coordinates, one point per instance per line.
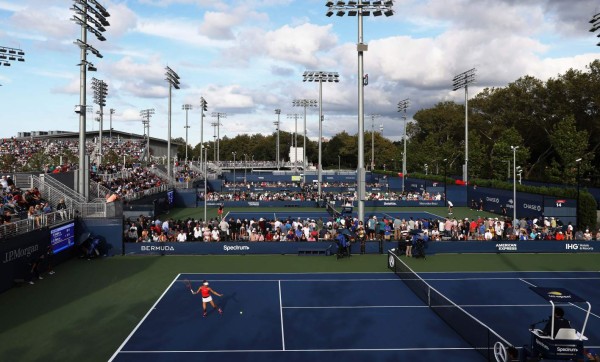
(96, 26)
(15, 55)
(172, 79)
(203, 108)
(304, 103)
(596, 25)
(402, 107)
(360, 8)
(186, 108)
(463, 80)
(218, 124)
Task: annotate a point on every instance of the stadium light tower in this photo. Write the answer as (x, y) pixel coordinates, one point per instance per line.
(84, 9)
(219, 115)
(295, 116)
(100, 89)
(402, 107)
(186, 108)
(203, 108)
(277, 123)
(462, 81)
(578, 162)
(146, 114)
(360, 8)
(304, 103)
(320, 76)
(514, 149)
(173, 79)
(373, 117)
(214, 126)
(8, 55)
(111, 112)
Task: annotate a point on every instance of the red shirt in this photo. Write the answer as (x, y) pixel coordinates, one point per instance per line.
(205, 291)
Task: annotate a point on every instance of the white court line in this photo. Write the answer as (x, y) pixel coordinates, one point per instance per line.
(395, 279)
(359, 307)
(498, 278)
(417, 306)
(142, 321)
(281, 315)
(318, 350)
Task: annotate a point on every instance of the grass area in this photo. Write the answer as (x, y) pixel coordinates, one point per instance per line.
(86, 310)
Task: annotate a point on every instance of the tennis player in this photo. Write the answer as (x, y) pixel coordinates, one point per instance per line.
(206, 291)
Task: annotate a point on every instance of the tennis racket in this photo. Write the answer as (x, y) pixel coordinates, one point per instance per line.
(188, 285)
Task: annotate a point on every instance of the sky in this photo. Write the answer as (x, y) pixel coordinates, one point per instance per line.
(247, 57)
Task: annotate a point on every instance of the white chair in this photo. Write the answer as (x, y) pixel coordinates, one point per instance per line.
(566, 333)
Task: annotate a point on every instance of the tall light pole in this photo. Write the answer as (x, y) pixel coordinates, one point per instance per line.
(514, 149)
(233, 153)
(445, 182)
(214, 126)
(245, 166)
(100, 89)
(339, 163)
(320, 76)
(205, 177)
(402, 107)
(578, 162)
(111, 112)
(304, 103)
(146, 114)
(173, 80)
(373, 117)
(96, 25)
(219, 115)
(186, 108)
(277, 123)
(295, 116)
(203, 108)
(462, 81)
(354, 8)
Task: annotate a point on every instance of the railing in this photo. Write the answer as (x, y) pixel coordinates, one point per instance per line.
(98, 191)
(161, 174)
(62, 188)
(24, 226)
(54, 195)
(22, 180)
(138, 195)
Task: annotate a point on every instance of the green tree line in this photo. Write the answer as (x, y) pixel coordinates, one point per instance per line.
(553, 122)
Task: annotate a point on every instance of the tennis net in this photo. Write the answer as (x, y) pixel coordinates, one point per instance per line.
(332, 211)
(478, 335)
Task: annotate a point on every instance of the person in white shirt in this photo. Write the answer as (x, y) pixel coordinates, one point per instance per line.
(197, 232)
(181, 237)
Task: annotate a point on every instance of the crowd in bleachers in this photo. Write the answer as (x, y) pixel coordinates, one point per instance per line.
(310, 194)
(145, 229)
(17, 204)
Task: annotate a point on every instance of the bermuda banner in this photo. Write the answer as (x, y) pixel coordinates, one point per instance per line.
(372, 247)
(225, 248)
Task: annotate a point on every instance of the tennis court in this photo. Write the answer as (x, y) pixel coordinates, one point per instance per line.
(350, 316)
(323, 215)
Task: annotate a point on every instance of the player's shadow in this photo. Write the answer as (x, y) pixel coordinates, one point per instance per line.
(227, 298)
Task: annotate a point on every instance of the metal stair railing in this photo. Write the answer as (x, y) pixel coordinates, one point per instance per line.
(62, 188)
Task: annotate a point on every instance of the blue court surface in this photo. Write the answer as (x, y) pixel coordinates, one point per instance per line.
(344, 317)
(303, 215)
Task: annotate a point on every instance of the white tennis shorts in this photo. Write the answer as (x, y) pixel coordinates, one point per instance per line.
(207, 299)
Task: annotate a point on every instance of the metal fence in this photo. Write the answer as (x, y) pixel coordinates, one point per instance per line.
(44, 220)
